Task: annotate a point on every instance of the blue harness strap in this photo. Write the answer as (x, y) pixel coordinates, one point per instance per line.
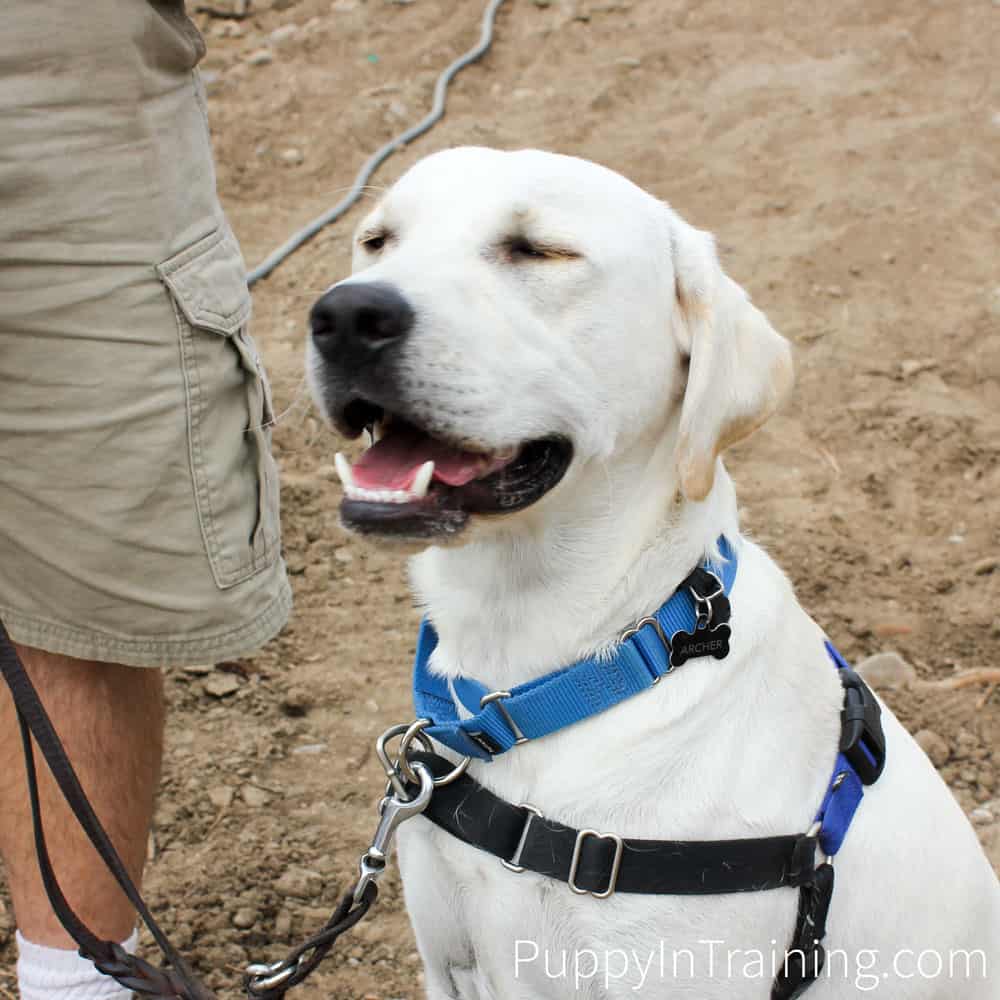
(860, 758)
(562, 698)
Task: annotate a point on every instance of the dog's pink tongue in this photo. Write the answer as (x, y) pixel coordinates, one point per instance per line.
(393, 462)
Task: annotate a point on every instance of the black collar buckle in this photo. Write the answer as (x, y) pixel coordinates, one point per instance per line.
(862, 741)
(710, 601)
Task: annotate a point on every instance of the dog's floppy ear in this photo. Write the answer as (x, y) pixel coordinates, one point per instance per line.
(739, 366)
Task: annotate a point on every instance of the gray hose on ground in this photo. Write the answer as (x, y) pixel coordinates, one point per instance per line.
(377, 158)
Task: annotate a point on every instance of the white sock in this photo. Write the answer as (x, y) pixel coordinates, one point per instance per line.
(58, 974)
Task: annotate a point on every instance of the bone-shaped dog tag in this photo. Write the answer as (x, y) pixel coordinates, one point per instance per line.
(686, 646)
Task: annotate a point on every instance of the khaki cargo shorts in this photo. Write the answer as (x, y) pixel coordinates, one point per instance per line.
(138, 495)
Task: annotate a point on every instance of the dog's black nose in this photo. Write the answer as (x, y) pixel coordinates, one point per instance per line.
(359, 316)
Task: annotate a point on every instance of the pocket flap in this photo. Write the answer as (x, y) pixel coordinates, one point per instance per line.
(208, 281)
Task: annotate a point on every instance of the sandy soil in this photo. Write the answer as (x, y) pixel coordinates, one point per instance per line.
(845, 156)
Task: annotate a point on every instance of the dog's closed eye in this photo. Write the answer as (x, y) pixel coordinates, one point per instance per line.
(519, 248)
(374, 240)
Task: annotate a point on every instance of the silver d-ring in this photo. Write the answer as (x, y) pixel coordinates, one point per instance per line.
(459, 769)
(415, 731)
(396, 768)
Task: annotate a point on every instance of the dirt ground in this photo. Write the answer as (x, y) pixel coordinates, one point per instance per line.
(845, 157)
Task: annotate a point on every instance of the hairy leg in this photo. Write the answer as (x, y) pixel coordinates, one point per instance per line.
(110, 719)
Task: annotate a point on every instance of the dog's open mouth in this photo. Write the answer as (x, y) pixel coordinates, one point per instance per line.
(413, 484)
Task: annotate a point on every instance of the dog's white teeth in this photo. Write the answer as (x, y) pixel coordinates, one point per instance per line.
(376, 432)
(423, 480)
(378, 496)
(352, 491)
(344, 470)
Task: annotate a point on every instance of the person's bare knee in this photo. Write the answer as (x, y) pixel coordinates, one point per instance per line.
(110, 719)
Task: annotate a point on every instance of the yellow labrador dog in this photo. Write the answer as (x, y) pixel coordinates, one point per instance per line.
(551, 362)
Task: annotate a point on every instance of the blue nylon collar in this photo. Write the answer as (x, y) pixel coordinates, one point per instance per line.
(547, 704)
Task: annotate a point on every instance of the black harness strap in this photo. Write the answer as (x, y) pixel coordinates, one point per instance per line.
(806, 956)
(601, 863)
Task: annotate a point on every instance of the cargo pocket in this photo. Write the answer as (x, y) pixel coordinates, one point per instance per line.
(229, 411)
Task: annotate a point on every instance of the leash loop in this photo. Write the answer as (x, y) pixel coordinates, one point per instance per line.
(267, 976)
(271, 981)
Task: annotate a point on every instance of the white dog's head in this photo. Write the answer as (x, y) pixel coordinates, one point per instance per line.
(511, 314)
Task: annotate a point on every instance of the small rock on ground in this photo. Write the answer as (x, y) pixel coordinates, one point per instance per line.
(987, 565)
(887, 670)
(934, 746)
(254, 797)
(244, 918)
(221, 796)
(221, 685)
(283, 925)
(260, 57)
(299, 883)
(296, 702)
(285, 33)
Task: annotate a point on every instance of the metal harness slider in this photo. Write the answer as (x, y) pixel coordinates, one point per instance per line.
(616, 864)
(514, 863)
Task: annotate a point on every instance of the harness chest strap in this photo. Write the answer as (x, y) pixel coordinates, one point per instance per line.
(602, 863)
(599, 864)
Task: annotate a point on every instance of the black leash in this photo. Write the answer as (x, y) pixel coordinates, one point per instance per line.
(269, 982)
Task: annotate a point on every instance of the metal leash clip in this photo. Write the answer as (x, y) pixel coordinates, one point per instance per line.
(400, 803)
(393, 811)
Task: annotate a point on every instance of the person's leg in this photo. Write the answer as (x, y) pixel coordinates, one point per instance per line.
(110, 719)
(139, 495)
